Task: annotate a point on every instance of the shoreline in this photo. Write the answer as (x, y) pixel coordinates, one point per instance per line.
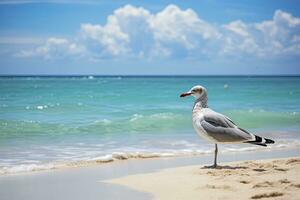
(260, 179)
(76, 183)
(120, 157)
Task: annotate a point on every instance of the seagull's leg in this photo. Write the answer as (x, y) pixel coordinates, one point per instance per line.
(215, 160)
(216, 155)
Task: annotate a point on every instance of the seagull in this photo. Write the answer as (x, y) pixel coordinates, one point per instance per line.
(215, 127)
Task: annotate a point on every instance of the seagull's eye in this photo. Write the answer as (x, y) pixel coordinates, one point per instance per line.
(198, 90)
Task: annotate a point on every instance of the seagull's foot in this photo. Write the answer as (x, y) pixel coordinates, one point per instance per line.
(214, 166)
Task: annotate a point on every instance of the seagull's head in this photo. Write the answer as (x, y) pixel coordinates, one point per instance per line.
(197, 91)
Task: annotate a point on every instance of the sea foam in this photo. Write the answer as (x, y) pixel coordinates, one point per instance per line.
(143, 154)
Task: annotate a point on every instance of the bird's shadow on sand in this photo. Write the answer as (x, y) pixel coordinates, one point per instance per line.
(224, 167)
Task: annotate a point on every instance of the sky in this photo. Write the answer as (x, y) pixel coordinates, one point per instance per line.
(201, 37)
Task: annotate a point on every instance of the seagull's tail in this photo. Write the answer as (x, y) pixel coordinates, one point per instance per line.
(261, 141)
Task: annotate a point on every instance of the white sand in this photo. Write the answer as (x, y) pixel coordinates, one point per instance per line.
(89, 182)
(266, 179)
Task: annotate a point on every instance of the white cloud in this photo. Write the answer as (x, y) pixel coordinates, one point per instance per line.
(182, 26)
(276, 37)
(237, 27)
(124, 32)
(54, 48)
(109, 37)
(134, 32)
(238, 39)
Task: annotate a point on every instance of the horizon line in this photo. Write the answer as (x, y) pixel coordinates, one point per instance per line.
(149, 75)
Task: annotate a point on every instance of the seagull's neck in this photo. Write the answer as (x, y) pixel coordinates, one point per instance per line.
(201, 103)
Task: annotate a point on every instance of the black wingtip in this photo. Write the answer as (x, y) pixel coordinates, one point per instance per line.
(261, 141)
(269, 141)
(259, 144)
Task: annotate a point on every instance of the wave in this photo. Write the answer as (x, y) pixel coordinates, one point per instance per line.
(143, 154)
(156, 116)
(141, 122)
(137, 123)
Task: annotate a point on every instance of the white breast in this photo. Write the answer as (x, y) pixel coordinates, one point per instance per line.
(197, 117)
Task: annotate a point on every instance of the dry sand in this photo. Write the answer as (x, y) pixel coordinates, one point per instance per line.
(266, 179)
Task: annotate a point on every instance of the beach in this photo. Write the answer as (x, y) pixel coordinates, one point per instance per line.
(260, 179)
(92, 107)
(138, 179)
(85, 137)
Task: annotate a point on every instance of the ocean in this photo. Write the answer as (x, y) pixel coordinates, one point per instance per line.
(51, 122)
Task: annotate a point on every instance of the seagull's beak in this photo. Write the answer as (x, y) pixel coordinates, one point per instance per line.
(185, 94)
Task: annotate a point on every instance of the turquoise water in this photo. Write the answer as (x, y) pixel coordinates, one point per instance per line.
(50, 120)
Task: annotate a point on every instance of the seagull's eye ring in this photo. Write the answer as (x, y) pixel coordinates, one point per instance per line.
(198, 90)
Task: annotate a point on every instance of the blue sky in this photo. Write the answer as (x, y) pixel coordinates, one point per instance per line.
(206, 37)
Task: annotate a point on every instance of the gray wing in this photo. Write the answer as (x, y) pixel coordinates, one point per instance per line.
(222, 129)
